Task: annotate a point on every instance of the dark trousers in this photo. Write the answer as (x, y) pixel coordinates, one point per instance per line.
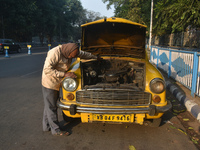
(50, 118)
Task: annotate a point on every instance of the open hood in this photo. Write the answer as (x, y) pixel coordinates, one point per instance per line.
(114, 36)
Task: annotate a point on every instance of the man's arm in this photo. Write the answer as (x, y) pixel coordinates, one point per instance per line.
(86, 55)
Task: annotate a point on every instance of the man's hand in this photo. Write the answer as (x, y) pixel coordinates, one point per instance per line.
(70, 74)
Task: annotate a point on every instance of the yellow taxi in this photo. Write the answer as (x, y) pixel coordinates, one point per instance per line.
(123, 87)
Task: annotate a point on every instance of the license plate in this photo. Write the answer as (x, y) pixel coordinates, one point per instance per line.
(112, 118)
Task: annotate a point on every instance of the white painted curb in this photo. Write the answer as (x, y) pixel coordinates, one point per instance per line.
(191, 106)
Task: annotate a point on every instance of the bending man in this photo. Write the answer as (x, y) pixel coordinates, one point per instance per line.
(57, 63)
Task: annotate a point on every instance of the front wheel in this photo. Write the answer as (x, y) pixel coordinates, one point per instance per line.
(153, 122)
(66, 118)
(62, 116)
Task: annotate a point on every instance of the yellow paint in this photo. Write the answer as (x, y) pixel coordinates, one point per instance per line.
(6, 47)
(131, 147)
(87, 117)
(84, 117)
(112, 118)
(67, 113)
(139, 118)
(151, 73)
(113, 19)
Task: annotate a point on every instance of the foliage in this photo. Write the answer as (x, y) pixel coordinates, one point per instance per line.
(169, 15)
(23, 19)
(92, 16)
(176, 15)
(17, 22)
(134, 10)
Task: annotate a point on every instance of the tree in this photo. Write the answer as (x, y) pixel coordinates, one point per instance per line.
(169, 15)
(46, 18)
(72, 17)
(16, 19)
(134, 10)
(176, 15)
(23, 19)
(57, 18)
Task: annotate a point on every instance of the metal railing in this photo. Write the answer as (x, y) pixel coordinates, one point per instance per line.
(183, 66)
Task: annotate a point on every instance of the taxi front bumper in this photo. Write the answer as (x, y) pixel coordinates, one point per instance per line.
(151, 109)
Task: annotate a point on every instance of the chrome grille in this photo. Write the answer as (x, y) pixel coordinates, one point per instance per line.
(113, 97)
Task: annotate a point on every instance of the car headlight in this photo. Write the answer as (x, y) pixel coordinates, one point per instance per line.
(157, 85)
(69, 84)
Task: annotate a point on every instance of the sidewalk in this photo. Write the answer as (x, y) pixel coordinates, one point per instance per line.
(183, 94)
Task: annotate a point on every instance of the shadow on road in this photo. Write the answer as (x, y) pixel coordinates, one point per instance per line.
(68, 126)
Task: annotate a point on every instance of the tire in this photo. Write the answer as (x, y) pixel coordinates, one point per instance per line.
(153, 122)
(62, 117)
(66, 118)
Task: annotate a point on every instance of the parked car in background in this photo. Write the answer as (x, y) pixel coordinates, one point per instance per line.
(123, 87)
(12, 46)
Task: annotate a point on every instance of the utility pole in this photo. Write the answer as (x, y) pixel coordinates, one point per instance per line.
(151, 22)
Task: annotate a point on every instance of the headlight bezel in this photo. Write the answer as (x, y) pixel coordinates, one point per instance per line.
(157, 81)
(68, 79)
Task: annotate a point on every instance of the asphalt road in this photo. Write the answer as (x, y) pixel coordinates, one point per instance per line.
(22, 108)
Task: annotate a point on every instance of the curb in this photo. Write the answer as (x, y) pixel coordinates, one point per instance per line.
(191, 106)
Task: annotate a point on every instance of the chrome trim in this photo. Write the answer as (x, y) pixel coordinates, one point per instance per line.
(113, 97)
(101, 110)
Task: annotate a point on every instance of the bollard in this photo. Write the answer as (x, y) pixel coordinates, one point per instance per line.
(49, 46)
(29, 49)
(6, 52)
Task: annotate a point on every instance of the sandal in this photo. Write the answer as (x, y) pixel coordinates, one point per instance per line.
(61, 133)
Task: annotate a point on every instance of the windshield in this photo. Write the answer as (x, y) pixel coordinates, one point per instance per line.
(8, 41)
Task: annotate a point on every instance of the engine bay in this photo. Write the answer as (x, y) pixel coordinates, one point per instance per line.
(113, 73)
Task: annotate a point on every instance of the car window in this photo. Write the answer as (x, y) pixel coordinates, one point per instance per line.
(8, 41)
